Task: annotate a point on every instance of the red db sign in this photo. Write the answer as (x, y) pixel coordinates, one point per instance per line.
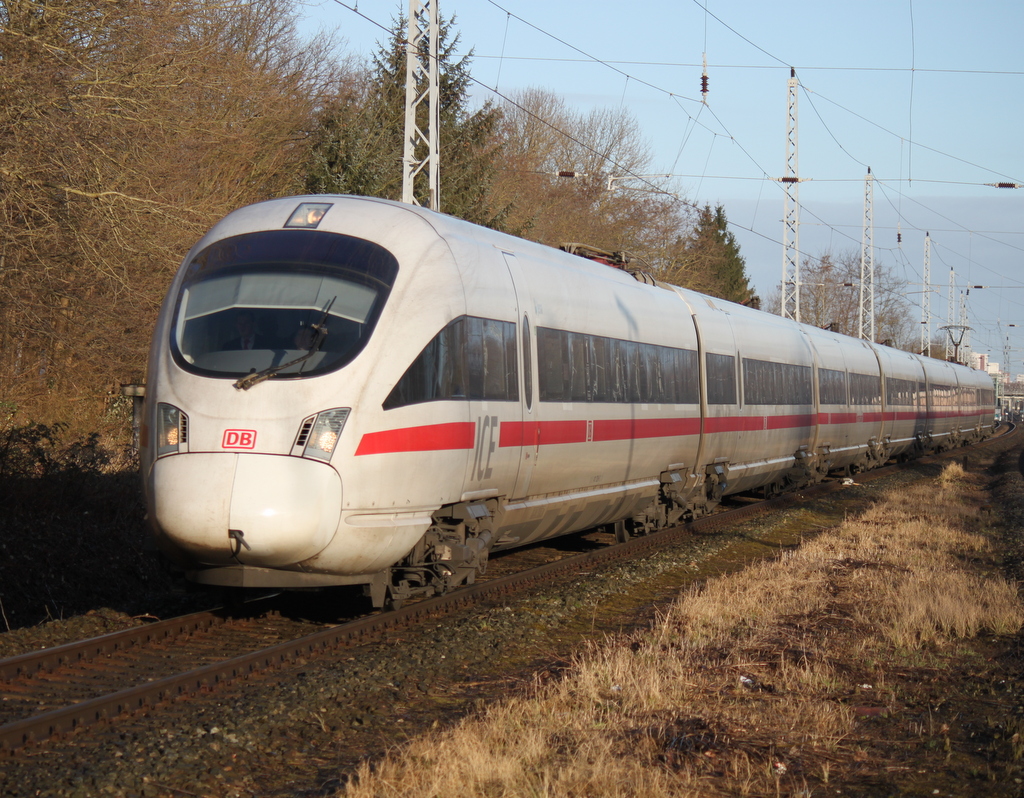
(239, 439)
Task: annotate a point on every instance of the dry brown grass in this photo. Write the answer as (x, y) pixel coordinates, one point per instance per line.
(748, 686)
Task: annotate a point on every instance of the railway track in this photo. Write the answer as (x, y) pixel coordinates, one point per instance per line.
(57, 692)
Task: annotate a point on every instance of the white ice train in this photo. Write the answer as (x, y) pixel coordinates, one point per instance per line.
(346, 390)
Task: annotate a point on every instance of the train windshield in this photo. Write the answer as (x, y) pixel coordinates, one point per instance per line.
(259, 301)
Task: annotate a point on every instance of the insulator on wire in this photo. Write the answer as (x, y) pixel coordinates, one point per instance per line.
(704, 84)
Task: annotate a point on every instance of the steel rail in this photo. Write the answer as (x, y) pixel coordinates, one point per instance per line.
(49, 659)
(79, 651)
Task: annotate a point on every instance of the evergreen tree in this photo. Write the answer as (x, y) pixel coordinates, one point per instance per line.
(359, 143)
(713, 250)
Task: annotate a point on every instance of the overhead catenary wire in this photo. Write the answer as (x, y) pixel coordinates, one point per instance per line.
(828, 129)
(589, 57)
(695, 122)
(756, 67)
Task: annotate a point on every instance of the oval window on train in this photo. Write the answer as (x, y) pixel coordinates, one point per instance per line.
(527, 368)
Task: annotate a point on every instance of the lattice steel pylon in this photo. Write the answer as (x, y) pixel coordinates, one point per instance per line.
(421, 91)
(867, 263)
(926, 297)
(790, 307)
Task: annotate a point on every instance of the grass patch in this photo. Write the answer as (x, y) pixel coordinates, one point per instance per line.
(827, 667)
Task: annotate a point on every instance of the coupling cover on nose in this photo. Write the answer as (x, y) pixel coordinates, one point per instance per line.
(258, 509)
(287, 508)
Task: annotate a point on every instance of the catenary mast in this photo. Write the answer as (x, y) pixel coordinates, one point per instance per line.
(926, 297)
(867, 263)
(790, 307)
(421, 90)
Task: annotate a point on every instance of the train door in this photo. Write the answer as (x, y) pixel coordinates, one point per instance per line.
(523, 431)
(923, 429)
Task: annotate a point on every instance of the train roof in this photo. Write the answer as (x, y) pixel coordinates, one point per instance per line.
(411, 227)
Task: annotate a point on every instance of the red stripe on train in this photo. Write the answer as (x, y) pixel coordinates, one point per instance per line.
(534, 433)
(428, 438)
(633, 428)
(715, 424)
(461, 434)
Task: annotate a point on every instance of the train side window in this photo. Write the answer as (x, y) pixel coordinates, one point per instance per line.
(550, 365)
(900, 392)
(471, 358)
(865, 389)
(631, 365)
(688, 377)
(577, 367)
(673, 376)
(831, 387)
(768, 383)
(641, 381)
(721, 377)
(619, 380)
(601, 369)
(497, 376)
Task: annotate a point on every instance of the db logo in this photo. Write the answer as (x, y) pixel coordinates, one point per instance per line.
(239, 439)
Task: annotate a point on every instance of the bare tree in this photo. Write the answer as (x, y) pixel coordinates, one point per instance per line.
(830, 298)
(542, 137)
(128, 128)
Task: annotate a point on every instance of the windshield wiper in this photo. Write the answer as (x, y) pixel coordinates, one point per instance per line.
(319, 334)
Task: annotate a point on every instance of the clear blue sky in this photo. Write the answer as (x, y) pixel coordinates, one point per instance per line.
(928, 93)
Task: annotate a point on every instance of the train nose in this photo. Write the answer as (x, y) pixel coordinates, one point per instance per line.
(265, 510)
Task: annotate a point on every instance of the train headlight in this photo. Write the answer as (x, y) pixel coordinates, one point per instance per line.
(324, 432)
(171, 430)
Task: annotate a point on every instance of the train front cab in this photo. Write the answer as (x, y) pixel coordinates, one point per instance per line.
(249, 444)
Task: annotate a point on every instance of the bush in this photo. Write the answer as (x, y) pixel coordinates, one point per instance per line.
(72, 532)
